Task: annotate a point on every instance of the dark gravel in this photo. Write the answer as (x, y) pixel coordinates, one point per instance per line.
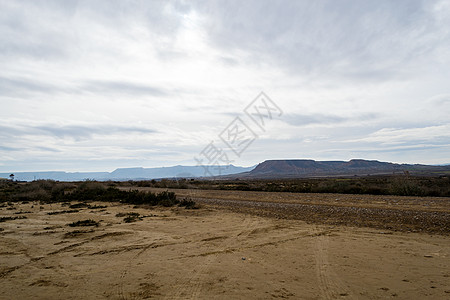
(405, 220)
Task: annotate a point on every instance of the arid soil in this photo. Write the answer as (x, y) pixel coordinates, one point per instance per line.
(215, 253)
(399, 213)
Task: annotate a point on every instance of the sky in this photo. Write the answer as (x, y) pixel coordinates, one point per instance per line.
(100, 85)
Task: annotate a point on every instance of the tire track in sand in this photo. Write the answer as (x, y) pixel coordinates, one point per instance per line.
(192, 288)
(330, 284)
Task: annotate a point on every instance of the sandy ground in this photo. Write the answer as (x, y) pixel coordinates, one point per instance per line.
(211, 253)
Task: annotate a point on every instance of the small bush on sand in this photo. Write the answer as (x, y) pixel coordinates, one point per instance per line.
(78, 205)
(188, 203)
(59, 212)
(130, 217)
(4, 219)
(125, 214)
(88, 222)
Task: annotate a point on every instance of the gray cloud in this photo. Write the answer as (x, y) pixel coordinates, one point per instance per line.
(113, 87)
(323, 119)
(28, 28)
(440, 100)
(355, 39)
(5, 148)
(69, 131)
(87, 131)
(162, 17)
(23, 86)
(29, 32)
(307, 119)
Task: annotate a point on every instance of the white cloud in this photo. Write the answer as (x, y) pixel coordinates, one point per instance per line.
(392, 136)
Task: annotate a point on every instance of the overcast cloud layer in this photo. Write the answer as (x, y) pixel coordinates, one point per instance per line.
(97, 85)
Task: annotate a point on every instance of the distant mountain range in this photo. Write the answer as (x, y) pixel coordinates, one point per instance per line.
(270, 169)
(133, 173)
(310, 168)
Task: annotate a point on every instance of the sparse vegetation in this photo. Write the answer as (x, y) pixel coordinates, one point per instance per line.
(86, 205)
(4, 219)
(59, 212)
(129, 217)
(49, 191)
(132, 217)
(188, 203)
(87, 222)
(78, 205)
(97, 206)
(401, 185)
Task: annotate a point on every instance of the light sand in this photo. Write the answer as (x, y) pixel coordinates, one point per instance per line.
(211, 253)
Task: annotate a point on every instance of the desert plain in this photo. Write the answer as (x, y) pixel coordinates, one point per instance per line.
(234, 245)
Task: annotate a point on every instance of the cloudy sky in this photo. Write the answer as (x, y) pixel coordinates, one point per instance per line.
(97, 85)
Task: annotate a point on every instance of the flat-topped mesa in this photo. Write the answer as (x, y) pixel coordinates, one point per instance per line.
(292, 166)
(311, 168)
